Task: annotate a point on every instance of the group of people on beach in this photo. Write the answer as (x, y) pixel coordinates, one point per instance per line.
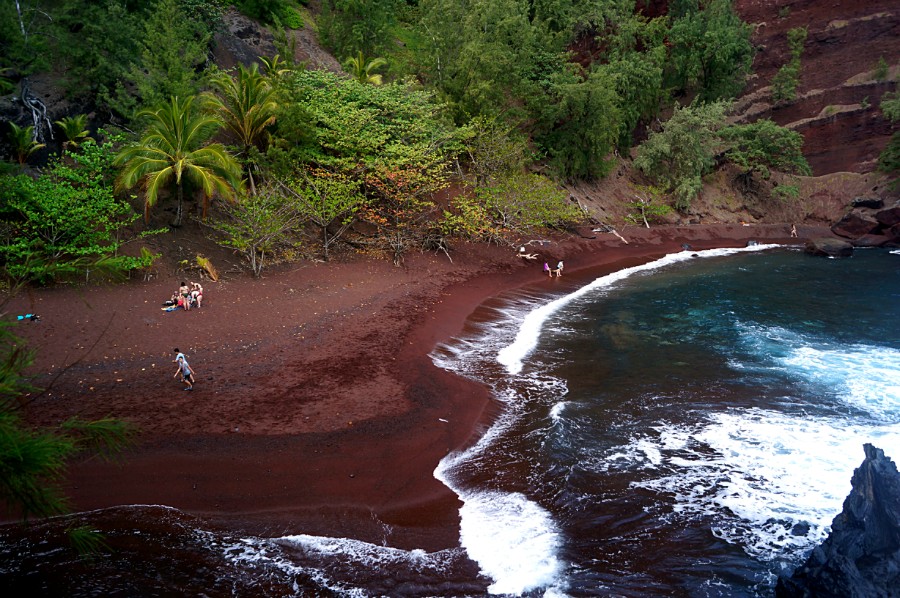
(551, 271)
(186, 297)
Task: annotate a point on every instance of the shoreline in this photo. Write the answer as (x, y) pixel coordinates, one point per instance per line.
(343, 438)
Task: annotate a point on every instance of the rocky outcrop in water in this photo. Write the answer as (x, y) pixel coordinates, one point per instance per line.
(829, 247)
(861, 556)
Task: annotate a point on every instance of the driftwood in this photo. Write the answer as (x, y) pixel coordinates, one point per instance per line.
(38, 113)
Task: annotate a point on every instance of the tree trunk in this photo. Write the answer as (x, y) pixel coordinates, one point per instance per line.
(180, 209)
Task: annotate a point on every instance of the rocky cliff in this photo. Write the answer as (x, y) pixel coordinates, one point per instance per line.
(837, 106)
(861, 556)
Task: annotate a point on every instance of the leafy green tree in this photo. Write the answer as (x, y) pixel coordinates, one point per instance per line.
(26, 35)
(175, 147)
(173, 48)
(525, 202)
(677, 157)
(98, 46)
(763, 145)
(364, 70)
(329, 200)
(391, 137)
(66, 220)
(257, 225)
(23, 143)
(638, 80)
(485, 56)
(647, 205)
(786, 80)
(494, 148)
(585, 126)
(711, 49)
(73, 129)
(351, 26)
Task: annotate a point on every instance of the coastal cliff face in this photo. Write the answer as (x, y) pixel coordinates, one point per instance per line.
(838, 95)
(861, 556)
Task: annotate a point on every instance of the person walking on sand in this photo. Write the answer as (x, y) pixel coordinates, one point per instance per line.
(187, 373)
(547, 269)
(793, 230)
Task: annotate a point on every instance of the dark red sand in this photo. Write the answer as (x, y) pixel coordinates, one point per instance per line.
(317, 409)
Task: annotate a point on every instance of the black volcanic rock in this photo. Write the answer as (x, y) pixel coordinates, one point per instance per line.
(861, 556)
(829, 247)
(855, 224)
(867, 202)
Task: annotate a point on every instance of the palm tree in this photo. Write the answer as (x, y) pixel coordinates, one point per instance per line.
(172, 148)
(362, 71)
(23, 142)
(247, 108)
(73, 129)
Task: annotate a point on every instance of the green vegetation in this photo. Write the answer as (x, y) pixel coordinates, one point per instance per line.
(175, 149)
(786, 80)
(889, 160)
(23, 142)
(696, 138)
(33, 461)
(677, 157)
(483, 93)
(67, 221)
(647, 206)
(880, 73)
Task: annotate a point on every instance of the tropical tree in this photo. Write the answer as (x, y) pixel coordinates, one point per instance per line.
(677, 157)
(329, 200)
(763, 145)
(173, 49)
(711, 48)
(175, 147)
(247, 108)
(352, 26)
(73, 129)
(66, 221)
(256, 226)
(362, 70)
(23, 142)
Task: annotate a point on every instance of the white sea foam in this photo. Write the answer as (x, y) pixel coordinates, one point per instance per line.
(513, 540)
(757, 474)
(864, 376)
(529, 332)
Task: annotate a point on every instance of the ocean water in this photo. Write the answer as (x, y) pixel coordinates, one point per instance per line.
(686, 427)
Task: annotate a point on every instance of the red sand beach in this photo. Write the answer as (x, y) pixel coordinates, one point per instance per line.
(317, 408)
